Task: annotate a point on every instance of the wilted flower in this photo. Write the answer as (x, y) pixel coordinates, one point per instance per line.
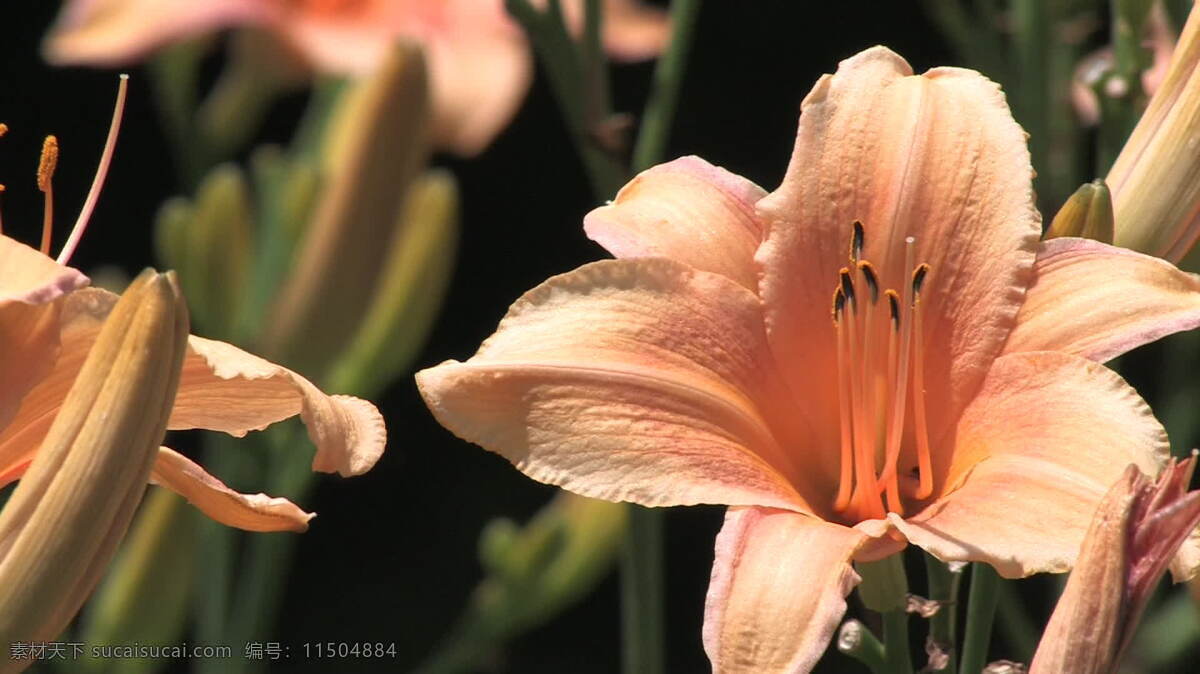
(957, 381)
(479, 63)
(1134, 534)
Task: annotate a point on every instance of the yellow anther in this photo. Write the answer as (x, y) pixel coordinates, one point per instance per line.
(47, 163)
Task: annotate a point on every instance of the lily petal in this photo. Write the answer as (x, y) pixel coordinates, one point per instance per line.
(936, 157)
(252, 512)
(222, 388)
(116, 32)
(1099, 301)
(32, 278)
(630, 380)
(687, 210)
(1034, 454)
(778, 590)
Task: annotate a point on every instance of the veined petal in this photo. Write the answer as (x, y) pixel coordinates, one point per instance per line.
(936, 157)
(1034, 453)
(1099, 301)
(112, 32)
(687, 210)
(778, 590)
(222, 388)
(633, 380)
(252, 512)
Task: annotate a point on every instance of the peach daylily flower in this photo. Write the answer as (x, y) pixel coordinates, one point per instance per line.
(479, 63)
(48, 323)
(968, 415)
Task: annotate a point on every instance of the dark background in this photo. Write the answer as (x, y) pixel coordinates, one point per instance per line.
(392, 556)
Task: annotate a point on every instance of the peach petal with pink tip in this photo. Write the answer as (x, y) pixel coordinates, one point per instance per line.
(251, 512)
(1034, 454)
(936, 157)
(222, 388)
(632, 380)
(1099, 301)
(687, 210)
(778, 590)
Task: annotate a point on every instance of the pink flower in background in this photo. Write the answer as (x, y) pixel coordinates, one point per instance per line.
(954, 401)
(480, 65)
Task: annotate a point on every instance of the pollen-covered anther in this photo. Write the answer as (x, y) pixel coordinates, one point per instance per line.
(45, 182)
(874, 385)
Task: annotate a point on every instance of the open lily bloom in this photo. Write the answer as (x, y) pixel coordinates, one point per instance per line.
(955, 400)
(48, 323)
(479, 63)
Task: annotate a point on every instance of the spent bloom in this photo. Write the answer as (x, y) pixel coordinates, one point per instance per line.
(1133, 536)
(879, 352)
(480, 66)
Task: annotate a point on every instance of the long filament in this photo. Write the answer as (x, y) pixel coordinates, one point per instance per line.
(845, 481)
(89, 204)
(924, 462)
(896, 419)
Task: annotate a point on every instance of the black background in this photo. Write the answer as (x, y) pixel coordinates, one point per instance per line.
(392, 556)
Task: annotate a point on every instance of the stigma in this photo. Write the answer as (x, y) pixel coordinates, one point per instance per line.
(880, 379)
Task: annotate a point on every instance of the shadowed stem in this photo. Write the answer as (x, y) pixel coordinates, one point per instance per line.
(642, 600)
(668, 77)
(884, 589)
(981, 612)
(943, 587)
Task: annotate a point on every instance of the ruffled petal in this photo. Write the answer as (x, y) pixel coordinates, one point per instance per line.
(115, 32)
(222, 388)
(1033, 455)
(687, 210)
(252, 512)
(778, 590)
(936, 157)
(640, 380)
(1099, 301)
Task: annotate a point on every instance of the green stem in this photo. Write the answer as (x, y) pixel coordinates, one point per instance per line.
(884, 588)
(943, 587)
(642, 597)
(1019, 630)
(664, 96)
(856, 641)
(981, 613)
(1029, 89)
(564, 66)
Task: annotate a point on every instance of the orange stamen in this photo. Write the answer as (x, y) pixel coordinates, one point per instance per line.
(897, 359)
(45, 182)
(89, 204)
(846, 479)
(924, 460)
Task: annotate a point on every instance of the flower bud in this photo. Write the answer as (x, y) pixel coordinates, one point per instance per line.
(65, 518)
(1134, 534)
(1155, 190)
(209, 243)
(376, 145)
(1088, 213)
